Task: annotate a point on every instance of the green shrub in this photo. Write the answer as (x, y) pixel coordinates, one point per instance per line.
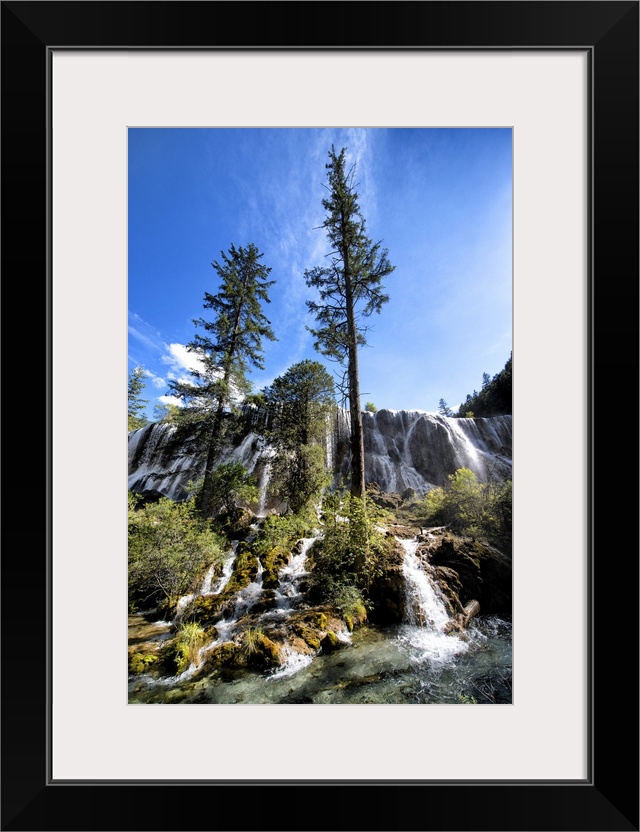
(283, 531)
(170, 546)
(470, 507)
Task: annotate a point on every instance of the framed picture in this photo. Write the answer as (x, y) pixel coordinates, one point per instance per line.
(564, 78)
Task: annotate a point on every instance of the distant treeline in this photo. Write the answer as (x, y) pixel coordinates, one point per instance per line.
(495, 398)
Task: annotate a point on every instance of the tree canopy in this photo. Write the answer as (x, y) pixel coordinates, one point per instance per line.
(299, 404)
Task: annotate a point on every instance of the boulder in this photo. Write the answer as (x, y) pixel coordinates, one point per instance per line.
(473, 570)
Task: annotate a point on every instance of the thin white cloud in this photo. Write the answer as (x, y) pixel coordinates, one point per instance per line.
(142, 338)
(170, 400)
(144, 333)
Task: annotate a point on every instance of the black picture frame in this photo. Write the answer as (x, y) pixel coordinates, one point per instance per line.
(608, 798)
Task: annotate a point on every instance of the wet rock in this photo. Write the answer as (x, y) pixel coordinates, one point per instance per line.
(266, 654)
(224, 655)
(472, 570)
(330, 643)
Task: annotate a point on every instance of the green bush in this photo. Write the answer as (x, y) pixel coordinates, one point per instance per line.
(283, 530)
(170, 546)
(347, 559)
(470, 507)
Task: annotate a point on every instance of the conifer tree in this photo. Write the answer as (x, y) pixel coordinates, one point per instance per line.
(230, 346)
(136, 405)
(350, 289)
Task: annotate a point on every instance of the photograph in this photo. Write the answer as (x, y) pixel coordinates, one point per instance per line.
(320, 462)
(310, 241)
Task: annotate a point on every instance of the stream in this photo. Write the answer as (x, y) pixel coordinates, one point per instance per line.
(415, 662)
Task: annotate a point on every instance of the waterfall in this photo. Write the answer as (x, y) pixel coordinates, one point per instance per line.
(245, 599)
(402, 449)
(424, 606)
(155, 466)
(287, 593)
(249, 596)
(205, 588)
(264, 487)
(427, 614)
(182, 604)
(292, 662)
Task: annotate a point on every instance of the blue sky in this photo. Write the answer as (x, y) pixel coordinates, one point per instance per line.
(439, 200)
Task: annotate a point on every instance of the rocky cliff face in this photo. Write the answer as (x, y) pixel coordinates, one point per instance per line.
(410, 449)
(403, 449)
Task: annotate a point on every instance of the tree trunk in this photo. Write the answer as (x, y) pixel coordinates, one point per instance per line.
(212, 454)
(215, 440)
(357, 440)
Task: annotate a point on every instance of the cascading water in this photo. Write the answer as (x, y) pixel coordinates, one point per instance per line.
(424, 606)
(402, 448)
(245, 600)
(205, 588)
(416, 661)
(427, 614)
(264, 488)
(287, 596)
(413, 662)
(287, 592)
(292, 663)
(227, 571)
(249, 596)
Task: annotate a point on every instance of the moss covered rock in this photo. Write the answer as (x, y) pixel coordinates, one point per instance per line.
(272, 563)
(226, 654)
(141, 662)
(330, 643)
(267, 654)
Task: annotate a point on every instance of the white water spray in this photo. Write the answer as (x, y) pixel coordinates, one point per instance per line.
(426, 612)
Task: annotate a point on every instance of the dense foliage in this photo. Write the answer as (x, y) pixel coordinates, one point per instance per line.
(299, 405)
(170, 547)
(346, 560)
(232, 486)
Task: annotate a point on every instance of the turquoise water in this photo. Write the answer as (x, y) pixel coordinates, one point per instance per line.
(403, 664)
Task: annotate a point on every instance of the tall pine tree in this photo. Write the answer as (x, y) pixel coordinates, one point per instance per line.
(230, 345)
(350, 289)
